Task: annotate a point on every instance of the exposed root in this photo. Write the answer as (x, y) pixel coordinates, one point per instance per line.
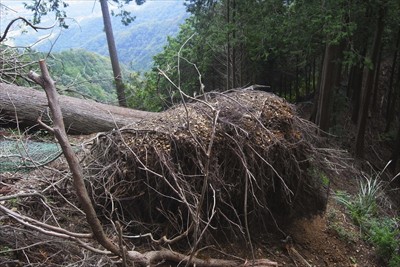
(233, 165)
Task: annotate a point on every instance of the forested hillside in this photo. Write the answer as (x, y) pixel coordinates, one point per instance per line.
(136, 43)
(83, 74)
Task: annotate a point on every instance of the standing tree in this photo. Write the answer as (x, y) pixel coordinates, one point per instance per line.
(113, 54)
(329, 77)
(41, 8)
(366, 95)
(336, 28)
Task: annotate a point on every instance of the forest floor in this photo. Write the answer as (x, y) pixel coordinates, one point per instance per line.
(333, 239)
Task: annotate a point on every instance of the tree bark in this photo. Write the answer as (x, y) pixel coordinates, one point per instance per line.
(228, 52)
(355, 86)
(24, 105)
(361, 40)
(375, 87)
(366, 96)
(113, 54)
(395, 155)
(329, 78)
(390, 110)
(152, 257)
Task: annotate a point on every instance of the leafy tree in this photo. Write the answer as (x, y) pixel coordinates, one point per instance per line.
(83, 74)
(179, 63)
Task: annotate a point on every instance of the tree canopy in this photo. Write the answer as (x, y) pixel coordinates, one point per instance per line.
(301, 49)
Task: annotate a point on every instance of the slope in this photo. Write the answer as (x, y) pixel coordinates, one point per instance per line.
(136, 43)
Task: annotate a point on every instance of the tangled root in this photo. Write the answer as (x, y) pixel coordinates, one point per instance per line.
(221, 167)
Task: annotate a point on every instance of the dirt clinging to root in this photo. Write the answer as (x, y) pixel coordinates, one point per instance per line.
(221, 166)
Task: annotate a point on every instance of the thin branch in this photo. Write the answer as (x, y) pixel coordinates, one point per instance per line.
(26, 22)
(8, 197)
(43, 226)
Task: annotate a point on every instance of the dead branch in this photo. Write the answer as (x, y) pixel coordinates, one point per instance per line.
(50, 230)
(8, 197)
(58, 129)
(43, 227)
(26, 22)
(152, 257)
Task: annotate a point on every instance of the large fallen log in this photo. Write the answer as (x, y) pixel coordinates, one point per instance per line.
(81, 116)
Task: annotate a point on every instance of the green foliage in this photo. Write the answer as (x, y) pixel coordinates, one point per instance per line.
(237, 43)
(381, 231)
(83, 74)
(384, 234)
(395, 260)
(176, 67)
(126, 16)
(364, 205)
(141, 93)
(42, 8)
(6, 250)
(334, 223)
(15, 64)
(318, 174)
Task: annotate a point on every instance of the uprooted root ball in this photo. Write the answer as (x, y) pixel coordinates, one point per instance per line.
(238, 161)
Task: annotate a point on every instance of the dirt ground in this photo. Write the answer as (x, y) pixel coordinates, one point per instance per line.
(330, 240)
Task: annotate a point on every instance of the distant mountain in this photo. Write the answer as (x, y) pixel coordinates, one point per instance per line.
(136, 43)
(81, 73)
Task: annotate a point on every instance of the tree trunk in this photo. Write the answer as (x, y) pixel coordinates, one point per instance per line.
(395, 154)
(390, 99)
(356, 84)
(366, 96)
(59, 131)
(113, 54)
(361, 41)
(24, 105)
(234, 49)
(328, 81)
(375, 87)
(228, 52)
(297, 83)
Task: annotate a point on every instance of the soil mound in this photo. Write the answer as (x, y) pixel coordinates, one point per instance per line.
(228, 166)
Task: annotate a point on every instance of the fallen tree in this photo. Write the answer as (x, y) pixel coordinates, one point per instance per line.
(226, 167)
(112, 248)
(24, 105)
(217, 169)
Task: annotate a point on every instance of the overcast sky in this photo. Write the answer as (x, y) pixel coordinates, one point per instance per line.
(76, 9)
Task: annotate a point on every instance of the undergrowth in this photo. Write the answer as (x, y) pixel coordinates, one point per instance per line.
(381, 230)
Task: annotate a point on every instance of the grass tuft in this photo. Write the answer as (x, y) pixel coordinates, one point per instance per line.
(381, 231)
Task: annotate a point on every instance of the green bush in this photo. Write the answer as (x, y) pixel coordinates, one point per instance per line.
(395, 260)
(384, 235)
(381, 231)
